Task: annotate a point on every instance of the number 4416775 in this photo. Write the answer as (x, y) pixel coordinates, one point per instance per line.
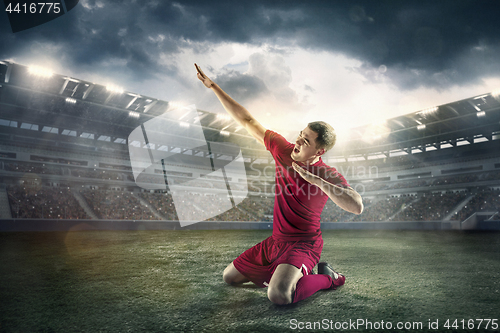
(471, 324)
(34, 8)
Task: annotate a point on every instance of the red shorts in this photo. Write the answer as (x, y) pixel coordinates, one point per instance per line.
(259, 262)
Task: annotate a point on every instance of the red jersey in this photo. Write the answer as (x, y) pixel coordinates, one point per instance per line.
(298, 204)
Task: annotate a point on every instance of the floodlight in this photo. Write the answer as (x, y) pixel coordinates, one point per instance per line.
(184, 124)
(496, 93)
(421, 127)
(134, 114)
(70, 100)
(40, 71)
(114, 89)
(481, 114)
(224, 133)
(428, 110)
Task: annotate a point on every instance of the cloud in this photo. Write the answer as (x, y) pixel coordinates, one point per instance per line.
(265, 89)
(242, 87)
(91, 4)
(299, 60)
(419, 42)
(277, 75)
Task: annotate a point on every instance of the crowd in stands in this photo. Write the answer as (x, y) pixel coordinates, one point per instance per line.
(183, 182)
(430, 207)
(261, 206)
(261, 187)
(492, 175)
(37, 202)
(116, 205)
(250, 209)
(235, 214)
(333, 213)
(42, 168)
(467, 178)
(162, 202)
(194, 205)
(488, 200)
(33, 168)
(383, 210)
(410, 184)
(32, 200)
(97, 174)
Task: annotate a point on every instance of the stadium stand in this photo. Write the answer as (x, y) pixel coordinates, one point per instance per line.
(64, 154)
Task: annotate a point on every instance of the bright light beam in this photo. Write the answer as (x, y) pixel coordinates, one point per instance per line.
(114, 89)
(40, 71)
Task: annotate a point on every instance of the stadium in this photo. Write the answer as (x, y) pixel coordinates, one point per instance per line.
(93, 242)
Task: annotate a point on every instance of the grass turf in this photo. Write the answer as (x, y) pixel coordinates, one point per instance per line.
(170, 281)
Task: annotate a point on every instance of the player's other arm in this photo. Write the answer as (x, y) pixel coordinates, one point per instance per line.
(235, 110)
(346, 198)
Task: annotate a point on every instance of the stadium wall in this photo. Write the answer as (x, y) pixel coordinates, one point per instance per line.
(30, 225)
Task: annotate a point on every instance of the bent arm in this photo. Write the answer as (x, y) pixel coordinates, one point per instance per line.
(235, 110)
(346, 198)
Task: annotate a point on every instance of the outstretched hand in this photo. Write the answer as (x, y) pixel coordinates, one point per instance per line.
(203, 78)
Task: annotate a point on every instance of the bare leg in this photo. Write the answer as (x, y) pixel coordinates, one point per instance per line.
(232, 276)
(283, 283)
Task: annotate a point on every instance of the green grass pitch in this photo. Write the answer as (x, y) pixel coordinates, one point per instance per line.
(171, 281)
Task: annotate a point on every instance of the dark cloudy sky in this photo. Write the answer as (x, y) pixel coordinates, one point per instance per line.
(289, 62)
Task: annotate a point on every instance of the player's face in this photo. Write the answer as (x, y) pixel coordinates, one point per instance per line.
(305, 147)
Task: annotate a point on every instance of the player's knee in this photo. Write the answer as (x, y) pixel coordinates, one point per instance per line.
(226, 276)
(230, 275)
(279, 297)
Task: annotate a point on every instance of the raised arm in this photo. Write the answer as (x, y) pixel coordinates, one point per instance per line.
(235, 110)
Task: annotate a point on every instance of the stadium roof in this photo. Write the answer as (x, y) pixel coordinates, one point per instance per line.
(469, 121)
(38, 100)
(34, 101)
